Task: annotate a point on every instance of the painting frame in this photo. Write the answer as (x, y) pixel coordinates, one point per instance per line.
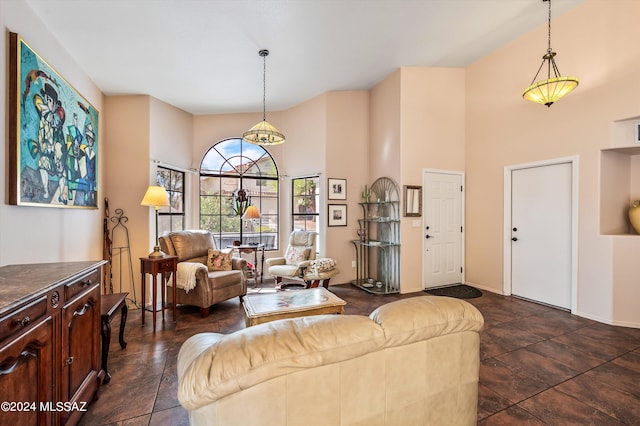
(412, 201)
(337, 189)
(53, 135)
(636, 126)
(337, 215)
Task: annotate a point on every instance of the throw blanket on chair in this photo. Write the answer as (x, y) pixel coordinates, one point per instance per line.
(186, 276)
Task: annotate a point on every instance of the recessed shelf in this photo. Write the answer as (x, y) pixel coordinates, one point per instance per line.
(619, 180)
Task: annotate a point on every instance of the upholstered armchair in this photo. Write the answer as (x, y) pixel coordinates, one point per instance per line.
(300, 263)
(206, 275)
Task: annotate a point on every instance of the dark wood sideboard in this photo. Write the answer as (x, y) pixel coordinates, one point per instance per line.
(49, 341)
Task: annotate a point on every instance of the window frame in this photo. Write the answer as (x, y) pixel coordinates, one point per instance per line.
(168, 212)
(295, 210)
(247, 170)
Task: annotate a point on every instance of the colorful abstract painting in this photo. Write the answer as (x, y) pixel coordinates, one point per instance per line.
(54, 135)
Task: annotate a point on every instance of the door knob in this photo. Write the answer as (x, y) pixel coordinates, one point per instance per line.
(515, 229)
(514, 239)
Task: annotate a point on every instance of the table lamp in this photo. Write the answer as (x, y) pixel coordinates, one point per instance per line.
(156, 196)
(251, 213)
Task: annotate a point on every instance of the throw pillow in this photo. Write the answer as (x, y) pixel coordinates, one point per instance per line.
(296, 255)
(219, 260)
(322, 265)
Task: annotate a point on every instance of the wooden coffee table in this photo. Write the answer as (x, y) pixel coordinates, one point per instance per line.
(260, 308)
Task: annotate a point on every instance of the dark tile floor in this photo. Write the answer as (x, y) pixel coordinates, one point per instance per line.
(539, 365)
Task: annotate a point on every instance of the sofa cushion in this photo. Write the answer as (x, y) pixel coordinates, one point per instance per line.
(425, 317)
(219, 260)
(189, 245)
(221, 279)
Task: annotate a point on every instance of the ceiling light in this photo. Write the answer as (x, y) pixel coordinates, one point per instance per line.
(263, 133)
(555, 86)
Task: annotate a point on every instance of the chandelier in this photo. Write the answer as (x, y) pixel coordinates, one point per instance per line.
(555, 86)
(263, 133)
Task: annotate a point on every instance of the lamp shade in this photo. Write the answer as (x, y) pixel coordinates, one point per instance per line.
(548, 91)
(251, 213)
(263, 133)
(156, 196)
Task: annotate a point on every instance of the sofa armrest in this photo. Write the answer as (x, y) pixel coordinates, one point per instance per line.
(238, 263)
(275, 261)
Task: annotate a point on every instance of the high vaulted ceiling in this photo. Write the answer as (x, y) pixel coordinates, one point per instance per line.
(202, 55)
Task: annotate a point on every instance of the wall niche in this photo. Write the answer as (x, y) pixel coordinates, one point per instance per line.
(620, 178)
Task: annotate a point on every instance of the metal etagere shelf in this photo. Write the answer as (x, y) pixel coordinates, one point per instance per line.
(378, 249)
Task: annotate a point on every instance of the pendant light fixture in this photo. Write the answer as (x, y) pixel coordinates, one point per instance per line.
(263, 133)
(555, 86)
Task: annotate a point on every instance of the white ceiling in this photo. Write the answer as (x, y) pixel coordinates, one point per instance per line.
(202, 55)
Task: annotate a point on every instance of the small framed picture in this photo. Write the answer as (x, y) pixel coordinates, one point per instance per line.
(337, 215)
(637, 132)
(337, 189)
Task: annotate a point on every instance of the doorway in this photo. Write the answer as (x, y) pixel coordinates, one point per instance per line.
(540, 231)
(442, 228)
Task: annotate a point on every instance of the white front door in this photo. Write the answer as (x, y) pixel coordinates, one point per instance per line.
(442, 229)
(541, 233)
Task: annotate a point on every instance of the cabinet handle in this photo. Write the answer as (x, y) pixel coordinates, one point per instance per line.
(68, 361)
(24, 321)
(87, 282)
(80, 312)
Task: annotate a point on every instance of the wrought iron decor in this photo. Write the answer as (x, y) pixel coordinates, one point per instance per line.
(53, 135)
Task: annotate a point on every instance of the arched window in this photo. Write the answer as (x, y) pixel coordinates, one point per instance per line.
(234, 175)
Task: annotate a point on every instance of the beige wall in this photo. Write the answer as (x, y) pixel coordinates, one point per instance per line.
(432, 137)
(598, 43)
(346, 154)
(385, 116)
(38, 234)
(128, 175)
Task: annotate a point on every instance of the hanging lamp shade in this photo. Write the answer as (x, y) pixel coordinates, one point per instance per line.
(548, 91)
(555, 86)
(264, 133)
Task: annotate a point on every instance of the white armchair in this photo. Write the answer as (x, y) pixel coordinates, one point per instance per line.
(299, 262)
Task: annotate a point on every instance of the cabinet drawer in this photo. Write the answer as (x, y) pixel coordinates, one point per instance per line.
(168, 265)
(84, 283)
(23, 317)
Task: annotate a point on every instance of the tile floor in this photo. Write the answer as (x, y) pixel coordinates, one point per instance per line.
(539, 365)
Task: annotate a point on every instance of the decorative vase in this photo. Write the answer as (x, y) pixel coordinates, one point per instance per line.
(634, 215)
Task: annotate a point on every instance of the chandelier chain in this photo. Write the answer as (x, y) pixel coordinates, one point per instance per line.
(264, 87)
(549, 26)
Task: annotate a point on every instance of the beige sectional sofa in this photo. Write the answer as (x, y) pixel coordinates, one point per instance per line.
(411, 362)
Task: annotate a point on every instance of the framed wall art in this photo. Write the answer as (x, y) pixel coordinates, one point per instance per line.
(337, 189)
(337, 215)
(412, 201)
(53, 135)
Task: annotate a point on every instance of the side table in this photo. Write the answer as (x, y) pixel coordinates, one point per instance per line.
(109, 305)
(159, 265)
(253, 248)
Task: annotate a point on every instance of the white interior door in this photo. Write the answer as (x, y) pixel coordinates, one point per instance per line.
(541, 238)
(442, 229)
